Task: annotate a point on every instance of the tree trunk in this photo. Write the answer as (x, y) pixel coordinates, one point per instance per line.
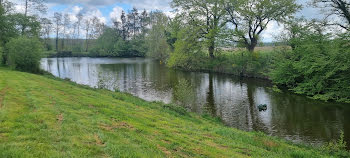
(25, 15)
(211, 48)
(57, 40)
(251, 46)
(87, 41)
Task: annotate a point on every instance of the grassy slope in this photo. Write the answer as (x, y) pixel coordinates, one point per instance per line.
(45, 117)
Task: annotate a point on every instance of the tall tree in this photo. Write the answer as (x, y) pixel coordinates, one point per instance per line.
(340, 8)
(58, 22)
(66, 23)
(144, 21)
(124, 26)
(34, 5)
(46, 29)
(208, 15)
(134, 21)
(156, 38)
(251, 17)
(80, 19)
(87, 35)
(31, 6)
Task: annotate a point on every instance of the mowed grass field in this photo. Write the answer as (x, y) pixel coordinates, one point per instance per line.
(41, 116)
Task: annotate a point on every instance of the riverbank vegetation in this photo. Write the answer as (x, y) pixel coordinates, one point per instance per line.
(42, 116)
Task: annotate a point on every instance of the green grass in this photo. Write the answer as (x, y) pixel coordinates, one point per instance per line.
(41, 116)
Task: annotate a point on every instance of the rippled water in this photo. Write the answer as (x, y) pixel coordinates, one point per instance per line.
(234, 100)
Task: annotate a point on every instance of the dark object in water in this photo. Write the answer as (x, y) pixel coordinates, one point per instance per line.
(262, 107)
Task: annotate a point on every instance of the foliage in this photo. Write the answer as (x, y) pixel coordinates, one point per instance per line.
(337, 12)
(7, 27)
(251, 17)
(24, 54)
(183, 94)
(42, 116)
(188, 52)
(337, 147)
(26, 25)
(207, 16)
(105, 43)
(317, 67)
(156, 40)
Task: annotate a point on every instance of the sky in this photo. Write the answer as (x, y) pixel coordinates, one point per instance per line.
(106, 10)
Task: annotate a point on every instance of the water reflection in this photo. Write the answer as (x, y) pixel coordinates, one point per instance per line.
(293, 117)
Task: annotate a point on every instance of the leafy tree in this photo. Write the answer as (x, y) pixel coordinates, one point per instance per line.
(105, 43)
(188, 52)
(7, 30)
(34, 5)
(30, 6)
(134, 22)
(46, 29)
(339, 8)
(251, 17)
(26, 26)
(207, 15)
(318, 66)
(58, 22)
(24, 54)
(65, 24)
(156, 40)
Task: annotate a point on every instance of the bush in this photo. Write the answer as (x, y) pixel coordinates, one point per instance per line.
(188, 52)
(337, 148)
(24, 54)
(318, 67)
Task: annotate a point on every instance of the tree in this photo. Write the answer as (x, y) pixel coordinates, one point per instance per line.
(46, 29)
(144, 21)
(34, 5)
(58, 22)
(208, 15)
(340, 8)
(251, 17)
(156, 39)
(134, 21)
(124, 26)
(66, 23)
(80, 18)
(87, 35)
(25, 25)
(24, 54)
(105, 43)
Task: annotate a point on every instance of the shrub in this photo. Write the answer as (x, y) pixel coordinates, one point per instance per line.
(337, 147)
(188, 52)
(24, 54)
(318, 66)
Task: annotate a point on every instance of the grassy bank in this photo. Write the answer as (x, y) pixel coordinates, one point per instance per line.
(41, 116)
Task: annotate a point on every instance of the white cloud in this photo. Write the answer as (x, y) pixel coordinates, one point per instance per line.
(96, 13)
(116, 13)
(272, 31)
(77, 9)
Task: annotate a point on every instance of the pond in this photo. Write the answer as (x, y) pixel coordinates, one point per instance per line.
(234, 100)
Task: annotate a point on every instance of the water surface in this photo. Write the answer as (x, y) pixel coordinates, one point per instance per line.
(234, 100)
